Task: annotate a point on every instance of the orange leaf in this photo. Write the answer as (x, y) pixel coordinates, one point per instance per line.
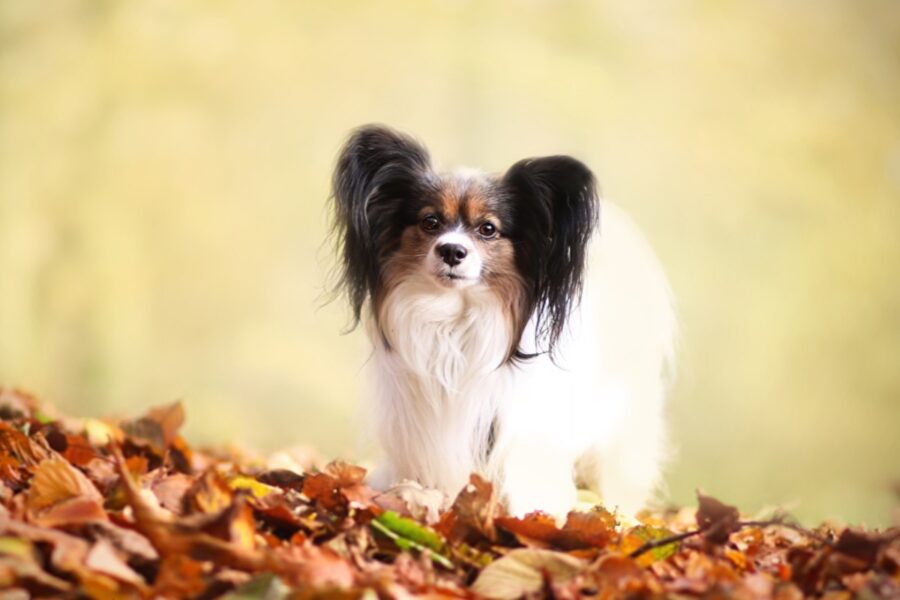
(55, 480)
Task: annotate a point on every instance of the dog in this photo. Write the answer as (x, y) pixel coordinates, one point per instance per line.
(515, 333)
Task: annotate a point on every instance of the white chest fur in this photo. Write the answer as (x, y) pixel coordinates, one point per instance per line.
(439, 380)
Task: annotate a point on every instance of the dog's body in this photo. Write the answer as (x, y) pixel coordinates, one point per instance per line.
(484, 358)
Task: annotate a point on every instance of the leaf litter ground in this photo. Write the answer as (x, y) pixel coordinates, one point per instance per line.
(127, 509)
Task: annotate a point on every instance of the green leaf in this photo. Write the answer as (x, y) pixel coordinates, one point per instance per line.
(411, 530)
(409, 535)
(651, 534)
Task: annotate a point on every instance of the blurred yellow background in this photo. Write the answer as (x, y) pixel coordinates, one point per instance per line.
(164, 168)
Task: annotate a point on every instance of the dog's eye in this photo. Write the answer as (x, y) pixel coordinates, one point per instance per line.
(487, 230)
(430, 223)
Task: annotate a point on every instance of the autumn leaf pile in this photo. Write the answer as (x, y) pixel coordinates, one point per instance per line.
(106, 509)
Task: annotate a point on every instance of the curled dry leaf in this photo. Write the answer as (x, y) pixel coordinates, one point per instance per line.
(19, 451)
(716, 520)
(592, 529)
(103, 558)
(523, 571)
(471, 518)
(158, 429)
(409, 498)
(62, 495)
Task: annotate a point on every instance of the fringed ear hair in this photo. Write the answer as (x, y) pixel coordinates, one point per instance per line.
(378, 171)
(556, 209)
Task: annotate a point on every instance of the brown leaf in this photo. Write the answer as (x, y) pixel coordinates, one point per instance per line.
(103, 558)
(170, 418)
(145, 432)
(345, 474)
(126, 540)
(524, 571)
(74, 448)
(173, 538)
(210, 493)
(68, 552)
(180, 577)
(158, 429)
(323, 489)
(409, 498)
(170, 491)
(339, 486)
(618, 576)
(16, 404)
(60, 493)
(20, 447)
(282, 478)
(581, 530)
(471, 518)
(716, 520)
(70, 512)
(534, 529)
(315, 567)
(19, 566)
(862, 545)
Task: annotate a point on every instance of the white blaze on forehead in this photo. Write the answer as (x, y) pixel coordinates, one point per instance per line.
(456, 237)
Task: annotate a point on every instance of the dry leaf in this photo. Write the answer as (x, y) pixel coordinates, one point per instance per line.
(523, 571)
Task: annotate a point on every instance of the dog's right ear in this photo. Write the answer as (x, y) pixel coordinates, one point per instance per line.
(378, 171)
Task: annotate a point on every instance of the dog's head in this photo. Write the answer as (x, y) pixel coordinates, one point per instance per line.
(522, 234)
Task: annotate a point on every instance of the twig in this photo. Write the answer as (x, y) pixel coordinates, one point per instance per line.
(780, 520)
(664, 542)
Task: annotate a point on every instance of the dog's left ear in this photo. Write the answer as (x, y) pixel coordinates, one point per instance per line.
(556, 210)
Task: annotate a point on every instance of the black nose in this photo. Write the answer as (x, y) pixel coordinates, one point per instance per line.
(453, 254)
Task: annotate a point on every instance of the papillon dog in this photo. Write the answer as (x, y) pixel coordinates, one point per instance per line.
(515, 333)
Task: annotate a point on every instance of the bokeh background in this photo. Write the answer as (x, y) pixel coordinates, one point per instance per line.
(164, 169)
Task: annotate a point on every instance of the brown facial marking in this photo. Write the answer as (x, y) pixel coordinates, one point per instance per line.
(476, 209)
(414, 247)
(450, 203)
(502, 276)
(469, 204)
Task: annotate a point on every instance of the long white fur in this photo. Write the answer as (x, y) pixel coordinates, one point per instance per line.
(595, 415)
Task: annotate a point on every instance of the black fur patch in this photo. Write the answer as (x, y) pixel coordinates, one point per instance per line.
(556, 209)
(379, 172)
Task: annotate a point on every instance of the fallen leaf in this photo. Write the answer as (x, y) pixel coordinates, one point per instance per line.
(210, 493)
(716, 520)
(522, 572)
(618, 576)
(170, 491)
(16, 403)
(315, 567)
(61, 494)
(471, 518)
(170, 418)
(594, 528)
(412, 499)
(637, 537)
(257, 489)
(103, 558)
(20, 447)
(74, 448)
